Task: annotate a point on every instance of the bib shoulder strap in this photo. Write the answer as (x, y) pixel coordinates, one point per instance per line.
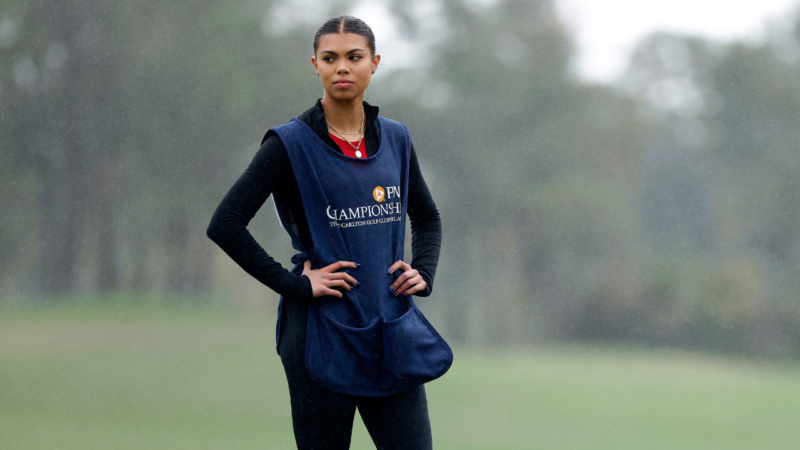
(292, 133)
(394, 129)
(288, 127)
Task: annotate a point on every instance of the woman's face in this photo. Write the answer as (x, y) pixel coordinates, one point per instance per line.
(344, 64)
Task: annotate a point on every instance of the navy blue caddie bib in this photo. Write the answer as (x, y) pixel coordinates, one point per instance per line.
(367, 342)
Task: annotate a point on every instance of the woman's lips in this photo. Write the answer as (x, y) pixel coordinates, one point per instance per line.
(343, 83)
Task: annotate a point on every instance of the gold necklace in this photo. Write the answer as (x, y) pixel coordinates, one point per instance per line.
(360, 131)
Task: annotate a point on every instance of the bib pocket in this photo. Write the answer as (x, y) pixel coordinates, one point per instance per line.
(340, 357)
(413, 352)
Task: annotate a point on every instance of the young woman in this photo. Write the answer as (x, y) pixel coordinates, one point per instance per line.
(343, 178)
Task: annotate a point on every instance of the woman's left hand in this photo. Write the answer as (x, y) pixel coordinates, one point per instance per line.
(409, 282)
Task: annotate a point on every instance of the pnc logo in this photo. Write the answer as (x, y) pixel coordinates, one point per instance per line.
(379, 194)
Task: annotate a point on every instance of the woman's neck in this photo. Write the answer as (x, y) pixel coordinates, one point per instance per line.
(345, 115)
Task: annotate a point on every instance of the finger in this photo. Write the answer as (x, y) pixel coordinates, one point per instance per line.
(407, 284)
(339, 283)
(400, 280)
(346, 276)
(332, 267)
(416, 288)
(306, 266)
(333, 292)
(405, 276)
(411, 281)
(394, 267)
(399, 265)
(340, 265)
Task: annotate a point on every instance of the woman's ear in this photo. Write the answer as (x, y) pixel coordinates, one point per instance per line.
(375, 61)
(314, 63)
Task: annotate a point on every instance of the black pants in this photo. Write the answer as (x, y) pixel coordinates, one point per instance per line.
(323, 419)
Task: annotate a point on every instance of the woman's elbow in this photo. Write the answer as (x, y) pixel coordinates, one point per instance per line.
(214, 230)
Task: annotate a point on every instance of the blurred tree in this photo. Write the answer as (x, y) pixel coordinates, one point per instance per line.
(517, 125)
(663, 209)
(720, 177)
(123, 112)
(63, 82)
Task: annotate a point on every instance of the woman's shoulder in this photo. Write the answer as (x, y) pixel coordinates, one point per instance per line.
(392, 125)
(272, 134)
(272, 151)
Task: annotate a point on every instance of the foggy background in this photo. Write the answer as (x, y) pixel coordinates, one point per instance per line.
(642, 193)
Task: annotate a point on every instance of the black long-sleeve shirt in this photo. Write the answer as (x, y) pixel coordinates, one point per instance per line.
(270, 172)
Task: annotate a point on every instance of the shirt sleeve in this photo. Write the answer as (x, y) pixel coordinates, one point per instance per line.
(228, 226)
(426, 226)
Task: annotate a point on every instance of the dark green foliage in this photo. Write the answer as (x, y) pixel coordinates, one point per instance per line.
(664, 210)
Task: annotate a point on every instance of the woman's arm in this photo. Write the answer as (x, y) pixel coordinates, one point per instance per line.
(228, 226)
(426, 226)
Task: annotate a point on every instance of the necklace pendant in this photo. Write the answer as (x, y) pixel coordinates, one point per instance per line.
(358, 153)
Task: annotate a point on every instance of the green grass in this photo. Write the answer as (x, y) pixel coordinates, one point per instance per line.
(182, 377)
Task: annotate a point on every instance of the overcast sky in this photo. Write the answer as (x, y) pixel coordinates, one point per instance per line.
(607, 30)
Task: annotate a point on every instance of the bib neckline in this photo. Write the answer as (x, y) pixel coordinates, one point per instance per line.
(342, 155)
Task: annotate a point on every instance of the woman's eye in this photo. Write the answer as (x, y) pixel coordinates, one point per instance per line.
(355, 57)
(327, 59)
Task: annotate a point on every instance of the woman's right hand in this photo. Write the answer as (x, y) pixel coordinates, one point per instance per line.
(324, 279)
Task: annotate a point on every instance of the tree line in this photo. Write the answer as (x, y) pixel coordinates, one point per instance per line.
(660, 209)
